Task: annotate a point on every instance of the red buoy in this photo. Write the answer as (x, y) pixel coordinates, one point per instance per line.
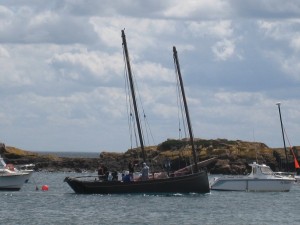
(45, 188)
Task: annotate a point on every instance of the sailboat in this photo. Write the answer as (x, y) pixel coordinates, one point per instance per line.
(296, 163)
(194, 182)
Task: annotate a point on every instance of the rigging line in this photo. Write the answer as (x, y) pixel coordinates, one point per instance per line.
(146, 130)
(130, 130)
(184, 122)
(291, 147)
(180, 102)
(139, 98)
(146, 124)
(134, 125)
(187, 117)
(287, 137)
(134, 130)
(149, 130)
(131, 121)
(255, 146)
(128, 105)
(181, 111)
(292, 150)
(178, 109)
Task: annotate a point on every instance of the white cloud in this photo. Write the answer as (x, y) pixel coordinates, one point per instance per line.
(154, 72)
(83, 64)
(198, 9)
(276, 6)
(240, 98)
(77, 109)
(217, 29)
(4, 52)
(10, 77)
(5, 18)
(273, 29)
(295, 43)
(284, 32)
(42, 19)
(141, 33)
(224, 49)
(291, 66)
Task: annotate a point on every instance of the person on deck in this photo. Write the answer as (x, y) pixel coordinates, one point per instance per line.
(131, 169)
(168, 166)
(100, 172)
(126, 177)
(145, 172)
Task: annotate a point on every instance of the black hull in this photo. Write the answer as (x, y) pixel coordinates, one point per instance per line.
(193, 183)
(10, 189)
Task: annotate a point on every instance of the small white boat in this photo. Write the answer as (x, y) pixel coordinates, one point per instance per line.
(261, 178)
(11, 179)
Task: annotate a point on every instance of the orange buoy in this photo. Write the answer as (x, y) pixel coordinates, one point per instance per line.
(45, 188)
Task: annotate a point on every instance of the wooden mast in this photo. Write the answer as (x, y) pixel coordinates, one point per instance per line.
(185, 106)
(133, 95)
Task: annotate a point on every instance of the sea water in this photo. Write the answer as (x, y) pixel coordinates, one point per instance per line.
(60, 205)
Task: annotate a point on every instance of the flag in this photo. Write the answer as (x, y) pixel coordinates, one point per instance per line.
(295, 159)
(296, 164)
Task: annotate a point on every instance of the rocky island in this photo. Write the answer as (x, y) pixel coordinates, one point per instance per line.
(229, 157)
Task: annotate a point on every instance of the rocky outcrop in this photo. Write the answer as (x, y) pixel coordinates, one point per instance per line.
(232, 157)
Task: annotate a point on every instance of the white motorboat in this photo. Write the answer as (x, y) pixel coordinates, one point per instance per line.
(27, 168)
(290, 174)
(297, 177)
(261, 178)
(11, 179)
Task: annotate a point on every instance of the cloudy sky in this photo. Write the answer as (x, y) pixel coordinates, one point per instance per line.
(62, 70)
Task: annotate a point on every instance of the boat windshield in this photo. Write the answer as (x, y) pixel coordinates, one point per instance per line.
(266, 170)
